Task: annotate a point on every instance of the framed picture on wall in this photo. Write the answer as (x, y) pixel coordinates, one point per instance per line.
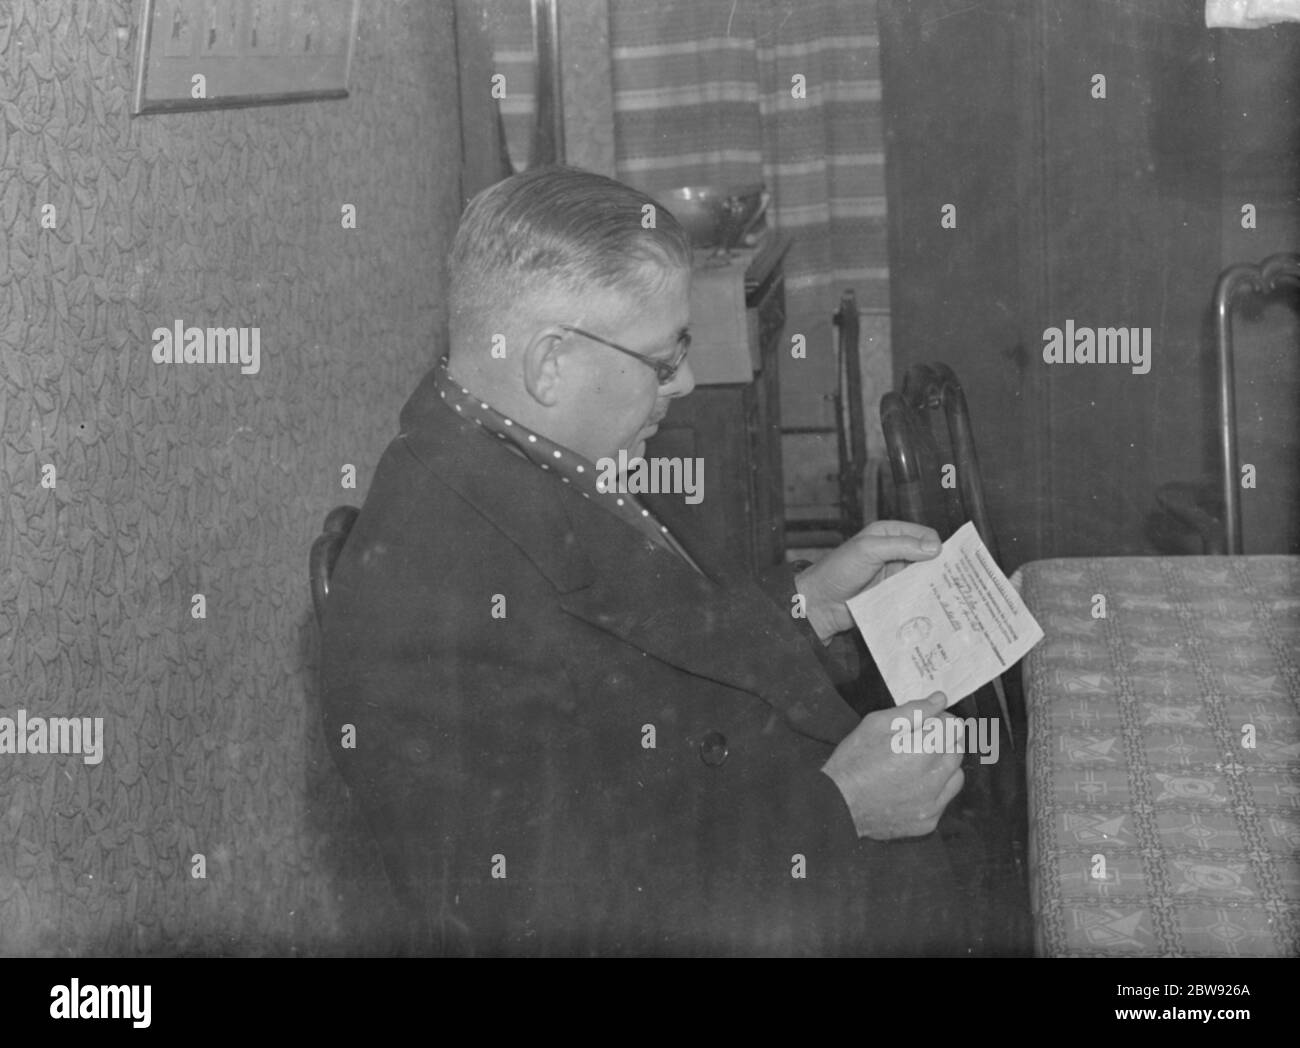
(211, 54)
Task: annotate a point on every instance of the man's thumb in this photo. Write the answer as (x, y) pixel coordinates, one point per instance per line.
(933, 703)
(901, 547)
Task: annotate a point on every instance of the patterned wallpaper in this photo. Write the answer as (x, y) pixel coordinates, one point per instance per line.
(173, 480)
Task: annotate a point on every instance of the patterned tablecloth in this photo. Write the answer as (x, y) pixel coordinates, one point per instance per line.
(1164, 755)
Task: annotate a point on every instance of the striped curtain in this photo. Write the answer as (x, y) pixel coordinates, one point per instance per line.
(702, 93)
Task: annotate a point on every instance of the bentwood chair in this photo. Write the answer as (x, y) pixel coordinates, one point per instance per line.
(924, 490)
(1211, 509)
(927, 428)
(927, 433)
(325, 552)
(357, 875)
(919, 452)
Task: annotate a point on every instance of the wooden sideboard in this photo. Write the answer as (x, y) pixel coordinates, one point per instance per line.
(735, 426)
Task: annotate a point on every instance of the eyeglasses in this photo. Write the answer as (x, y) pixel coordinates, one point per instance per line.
(665, 370)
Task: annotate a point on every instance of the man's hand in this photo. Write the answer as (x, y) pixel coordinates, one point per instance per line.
(879, 550)
(894, 794)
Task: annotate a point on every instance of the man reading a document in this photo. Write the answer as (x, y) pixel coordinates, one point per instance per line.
(579, 731)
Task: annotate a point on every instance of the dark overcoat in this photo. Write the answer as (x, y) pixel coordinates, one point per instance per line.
(567, 741)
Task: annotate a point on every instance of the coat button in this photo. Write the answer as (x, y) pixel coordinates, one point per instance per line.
(713, 749)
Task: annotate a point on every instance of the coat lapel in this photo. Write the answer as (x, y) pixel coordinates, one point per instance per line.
(731, 633)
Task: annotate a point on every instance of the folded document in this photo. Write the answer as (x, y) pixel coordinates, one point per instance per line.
(950, 624)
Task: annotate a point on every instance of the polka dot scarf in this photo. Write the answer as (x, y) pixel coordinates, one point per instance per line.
(569, 466)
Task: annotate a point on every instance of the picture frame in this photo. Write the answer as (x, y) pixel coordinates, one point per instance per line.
(215, 54)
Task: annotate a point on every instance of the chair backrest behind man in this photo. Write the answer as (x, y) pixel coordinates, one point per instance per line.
(926, 491)
(325, 552)
(935, 470)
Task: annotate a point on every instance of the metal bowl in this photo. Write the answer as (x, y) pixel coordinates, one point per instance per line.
(713, 216)
(700, 211)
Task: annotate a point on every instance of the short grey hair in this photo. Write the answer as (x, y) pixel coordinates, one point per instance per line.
(560, 229)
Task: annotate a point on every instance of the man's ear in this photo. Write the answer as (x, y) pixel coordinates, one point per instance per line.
(543, 363)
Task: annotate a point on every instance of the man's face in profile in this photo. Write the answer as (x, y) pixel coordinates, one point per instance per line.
(622, 402)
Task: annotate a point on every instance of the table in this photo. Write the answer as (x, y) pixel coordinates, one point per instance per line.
(1164, 756)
